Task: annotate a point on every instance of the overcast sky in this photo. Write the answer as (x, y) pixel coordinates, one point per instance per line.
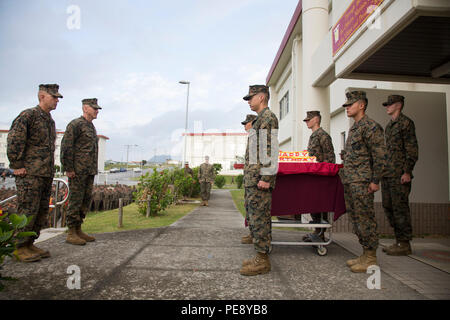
(130, 54)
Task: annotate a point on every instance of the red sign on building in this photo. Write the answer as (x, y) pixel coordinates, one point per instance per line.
(352, 19)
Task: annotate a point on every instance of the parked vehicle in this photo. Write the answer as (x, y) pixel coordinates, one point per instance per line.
(137, 170)
(123, 170)
(114, 170)
(8, 172)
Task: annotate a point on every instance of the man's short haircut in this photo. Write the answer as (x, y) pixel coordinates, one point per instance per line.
(366, 103)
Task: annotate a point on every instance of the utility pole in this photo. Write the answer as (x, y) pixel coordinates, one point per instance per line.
(128, 149)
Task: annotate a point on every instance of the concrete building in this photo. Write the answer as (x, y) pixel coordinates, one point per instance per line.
(4, 162)
(382, 47)
(224, 148)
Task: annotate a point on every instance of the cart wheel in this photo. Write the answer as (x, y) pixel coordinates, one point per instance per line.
(322, 251)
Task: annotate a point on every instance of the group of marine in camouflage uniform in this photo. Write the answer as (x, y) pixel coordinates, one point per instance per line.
(31, 147)
(371, 157)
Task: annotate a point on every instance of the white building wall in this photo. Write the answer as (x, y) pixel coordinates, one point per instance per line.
(4, 163)
(220, 147)
(286, 123)
(59, 135)
(433, 143)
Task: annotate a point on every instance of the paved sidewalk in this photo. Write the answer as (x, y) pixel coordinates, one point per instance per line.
(198, 257)
(427, 275)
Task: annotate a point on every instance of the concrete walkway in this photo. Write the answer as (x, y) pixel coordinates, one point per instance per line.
(198, 257)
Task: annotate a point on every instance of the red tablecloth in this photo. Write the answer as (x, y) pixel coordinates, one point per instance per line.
(308, 188)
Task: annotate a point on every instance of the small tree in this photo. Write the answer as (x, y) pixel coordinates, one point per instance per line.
(217, 168)
(239, 181)
(196, 184)
(157, 187)
(219, 181)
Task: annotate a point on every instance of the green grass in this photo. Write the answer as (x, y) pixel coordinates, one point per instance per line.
(107, 221)
(238, 198)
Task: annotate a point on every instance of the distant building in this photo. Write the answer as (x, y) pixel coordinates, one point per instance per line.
(223, 148)
(4, 162)
(173, 162)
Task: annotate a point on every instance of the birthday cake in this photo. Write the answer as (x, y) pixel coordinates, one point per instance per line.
(296, 156)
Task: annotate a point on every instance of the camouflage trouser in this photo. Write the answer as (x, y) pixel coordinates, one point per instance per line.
(33, 198)
(360, 207)
(96, 205)
(205, 190)
(396, 207)
(79, 199)
(259, 204)
(246, 205)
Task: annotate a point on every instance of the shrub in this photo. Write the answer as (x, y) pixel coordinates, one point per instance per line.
(219, 181)
(240, 181)
(196, 187)
(183, 186)
(217, 167)
(157, 186)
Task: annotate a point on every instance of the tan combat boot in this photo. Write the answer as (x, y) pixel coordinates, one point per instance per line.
(247, 239)
(258, 265)
(403, 248)
(24, 254)
(367, 260)
(83, 235)
(352, 262)
(392, 246)
(73, 238)
(206, 203)
(42, 253)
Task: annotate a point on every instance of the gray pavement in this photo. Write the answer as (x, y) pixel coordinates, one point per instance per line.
(198, 257)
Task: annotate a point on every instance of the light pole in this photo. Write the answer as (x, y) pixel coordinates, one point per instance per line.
(128, 149)
(186, 123)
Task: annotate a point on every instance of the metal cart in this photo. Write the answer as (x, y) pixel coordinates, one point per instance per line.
(316, 242)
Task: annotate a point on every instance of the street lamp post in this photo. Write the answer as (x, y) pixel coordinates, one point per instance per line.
(128, 149)
(186, 122)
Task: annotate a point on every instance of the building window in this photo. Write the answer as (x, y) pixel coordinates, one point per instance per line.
(284, 106)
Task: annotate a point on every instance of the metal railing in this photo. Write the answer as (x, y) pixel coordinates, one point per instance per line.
(57, 205)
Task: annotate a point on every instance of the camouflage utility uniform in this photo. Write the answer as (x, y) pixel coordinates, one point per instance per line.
(31, 145)
(206, 176)
(321, 147)
(402, 155)
(364, 161)
(259, 201)
(79, 154)
(248, 118)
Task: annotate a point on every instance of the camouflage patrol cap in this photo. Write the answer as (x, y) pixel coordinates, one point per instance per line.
(91, 102)
(393, 99)
(248, 118)
(353, 96)
(255, 89)
(311, 114)
(51, 89)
